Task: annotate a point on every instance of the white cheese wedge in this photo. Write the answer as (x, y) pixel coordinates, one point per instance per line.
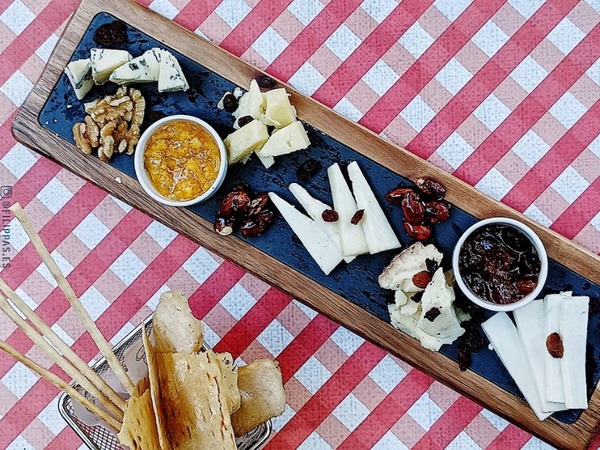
(573, 331)
(170, 76)
(79, 74)
(241, 143)
(504, 337)
(105, 61)
(554, 377)
(399, 273)
(143, 69)
(530, 325)
(252, 103)
(352, 237)
(403, 322)
(445, 328)
(378, 232)
(286, 140)
(279, 112)
(322, 249)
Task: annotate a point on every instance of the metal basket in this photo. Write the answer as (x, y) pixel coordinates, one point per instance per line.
(100, 438)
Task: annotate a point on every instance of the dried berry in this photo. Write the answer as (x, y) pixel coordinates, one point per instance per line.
(419, 232)
(329, 215)
(224, 225)
(413, 208)
(432, 314)
(242, 121)
(464, 357)
(437, 212)
(357, 217)
(257, 224)
(308, 169)
(417, 296)
(236, 203)
(421, 279)
(265, 82)
(526, 286)
(111, 34)
(432, 265)
(395, 196)
(430, 188)
(472, 339)
(554, 345)
(230, 102)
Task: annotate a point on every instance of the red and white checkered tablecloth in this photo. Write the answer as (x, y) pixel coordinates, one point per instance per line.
(504, 94)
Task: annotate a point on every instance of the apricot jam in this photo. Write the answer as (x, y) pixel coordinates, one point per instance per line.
(182, 160)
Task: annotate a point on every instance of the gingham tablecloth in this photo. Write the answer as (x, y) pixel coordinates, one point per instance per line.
(504, 94)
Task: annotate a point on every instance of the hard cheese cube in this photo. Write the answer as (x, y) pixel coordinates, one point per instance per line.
(244, 141)
(287, 140)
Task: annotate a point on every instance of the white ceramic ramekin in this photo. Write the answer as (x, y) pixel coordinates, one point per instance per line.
(144, 178)
(533, 238)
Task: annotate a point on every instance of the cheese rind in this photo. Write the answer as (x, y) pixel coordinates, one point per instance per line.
(143, 69)
(105, 61)
(504, 337)
(378, 232)
(573, 331)
(171, 77)
(79, 73)
(316, 241)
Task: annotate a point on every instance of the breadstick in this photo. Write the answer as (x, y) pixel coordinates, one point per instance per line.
(60, 384)
(64, 286)
(57, 358)
(63, 348)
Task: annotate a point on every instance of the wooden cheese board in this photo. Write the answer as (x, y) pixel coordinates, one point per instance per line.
(350, 295)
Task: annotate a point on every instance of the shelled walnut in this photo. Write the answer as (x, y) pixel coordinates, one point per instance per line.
(112, 124)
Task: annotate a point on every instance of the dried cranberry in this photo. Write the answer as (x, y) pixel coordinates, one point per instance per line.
(419, 232)
(329, 215)
(245, 120)
(265, 82)
(421, 279)
(554, 345)
(464, 357)
(357, 217)
(308, 169)
(230, 103)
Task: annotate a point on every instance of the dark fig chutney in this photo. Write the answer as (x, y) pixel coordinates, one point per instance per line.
(499, 264)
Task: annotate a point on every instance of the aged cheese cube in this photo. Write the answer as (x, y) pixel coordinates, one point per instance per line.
(171, 77)
(289, 139)
(105, 61)
(143, 69)
(279, 112)
(243, 142)
(252, 103)
(79, 74)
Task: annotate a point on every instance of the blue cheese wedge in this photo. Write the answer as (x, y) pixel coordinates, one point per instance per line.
(378, 232)
(105, 61)
(171, 77)
(79, 73)
(530, 320)
(554, 376)
(573, 332)
(504, 337)
(143, 69)
(316, 241)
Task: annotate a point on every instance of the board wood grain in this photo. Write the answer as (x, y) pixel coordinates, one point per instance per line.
(28, 130)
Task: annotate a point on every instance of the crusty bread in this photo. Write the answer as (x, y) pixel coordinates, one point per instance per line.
(263, 395)
(176, 330)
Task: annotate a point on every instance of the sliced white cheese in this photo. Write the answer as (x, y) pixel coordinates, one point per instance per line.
(279, 112)
(143, 69)
(324, 251)
(554, 377)
(530, 325)
(504, 337)
(289, 139)
(79, 74)
(252, 103)
(445, 328)
(378, 232)
(352, 237)
(573, 331)
(405, 323)
(105, 61)
(241, 143)
(170, 76)
(399, 273)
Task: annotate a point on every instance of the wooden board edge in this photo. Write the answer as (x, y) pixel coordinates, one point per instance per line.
(26, 127)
